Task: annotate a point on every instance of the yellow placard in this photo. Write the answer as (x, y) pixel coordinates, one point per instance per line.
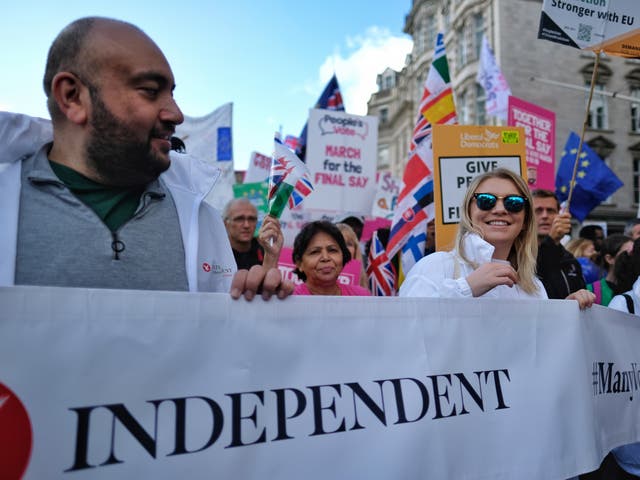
(462, 152)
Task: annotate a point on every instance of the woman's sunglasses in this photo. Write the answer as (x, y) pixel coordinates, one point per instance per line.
(512, 203)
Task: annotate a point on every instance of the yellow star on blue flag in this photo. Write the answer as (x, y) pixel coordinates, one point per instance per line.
(595, 181)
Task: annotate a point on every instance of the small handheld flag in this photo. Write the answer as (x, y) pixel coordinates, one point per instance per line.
(289, 182)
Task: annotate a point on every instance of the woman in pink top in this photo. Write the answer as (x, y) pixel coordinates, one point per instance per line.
(320, 252)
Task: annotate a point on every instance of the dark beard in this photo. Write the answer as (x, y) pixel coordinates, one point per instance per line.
(116, 154)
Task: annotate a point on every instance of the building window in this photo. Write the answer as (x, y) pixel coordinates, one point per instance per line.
(446, 15)
(383, 157)
(430, 32)
(389, 82)
(463, 108)
(478, 25)
(463, 55)
(598, 111)
(635, 111)
(480, 105)
(636, 180)
(384, 115)
(420, 39)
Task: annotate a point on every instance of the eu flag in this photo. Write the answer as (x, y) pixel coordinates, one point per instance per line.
(595, 182)
(331, 99)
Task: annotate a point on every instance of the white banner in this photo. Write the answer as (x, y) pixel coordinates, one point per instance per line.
(209, 138)
(106, 384)
(342, 157)
(259, 168)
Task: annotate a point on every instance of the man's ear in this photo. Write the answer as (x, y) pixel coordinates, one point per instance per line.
(71, 96)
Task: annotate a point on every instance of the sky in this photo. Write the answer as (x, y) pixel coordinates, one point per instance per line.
(271, 59)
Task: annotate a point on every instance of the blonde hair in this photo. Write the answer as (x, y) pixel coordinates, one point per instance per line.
(577, 246)
(350, 235)
(524, 250)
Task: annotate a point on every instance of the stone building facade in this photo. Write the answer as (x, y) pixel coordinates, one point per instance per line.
(511, 26)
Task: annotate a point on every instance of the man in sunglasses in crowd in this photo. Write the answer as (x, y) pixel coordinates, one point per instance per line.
(558, 270)
(240, 219)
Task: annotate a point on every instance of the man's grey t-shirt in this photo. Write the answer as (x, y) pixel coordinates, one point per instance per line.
(62, 242)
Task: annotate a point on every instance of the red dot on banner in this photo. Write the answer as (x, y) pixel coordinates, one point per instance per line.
(206, 267)
(15, 435)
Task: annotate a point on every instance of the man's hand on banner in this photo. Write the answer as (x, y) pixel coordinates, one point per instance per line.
(260, 281)
(585, 298)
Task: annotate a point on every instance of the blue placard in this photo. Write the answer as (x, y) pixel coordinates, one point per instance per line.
(225, 148)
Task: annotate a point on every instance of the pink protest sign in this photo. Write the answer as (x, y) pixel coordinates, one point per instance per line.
(371, 225)
(540, 132)
(350, 274)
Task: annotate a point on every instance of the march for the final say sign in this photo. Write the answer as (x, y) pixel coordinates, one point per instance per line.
(342, 157)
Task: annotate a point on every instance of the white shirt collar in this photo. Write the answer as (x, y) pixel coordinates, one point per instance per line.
(476, 249)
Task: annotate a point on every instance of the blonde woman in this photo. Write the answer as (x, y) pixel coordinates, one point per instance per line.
(585, 253)
(581, 247)
(495, 250)
(353, 246)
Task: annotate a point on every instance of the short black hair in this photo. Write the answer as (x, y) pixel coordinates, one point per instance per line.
(67, 54)
(543, 193)
(303, 239)
(611, 246)
(589, 231)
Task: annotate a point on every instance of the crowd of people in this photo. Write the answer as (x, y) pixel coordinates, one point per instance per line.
(107, 204)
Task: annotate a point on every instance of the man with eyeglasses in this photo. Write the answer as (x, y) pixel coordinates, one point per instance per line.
(559, 271)
(240, 219)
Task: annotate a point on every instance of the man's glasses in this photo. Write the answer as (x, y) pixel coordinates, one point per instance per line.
(512, 203)
(241, 220)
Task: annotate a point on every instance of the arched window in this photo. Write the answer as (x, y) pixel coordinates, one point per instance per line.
(635, 154)
(633, 78)
(599, 109)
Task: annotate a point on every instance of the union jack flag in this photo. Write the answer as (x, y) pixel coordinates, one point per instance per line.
(301, 190)
(331, 99)
(291, 142)
(280, 168)
(382, 275)
(289, 181)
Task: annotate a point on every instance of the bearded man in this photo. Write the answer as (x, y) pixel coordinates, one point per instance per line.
(104, 205)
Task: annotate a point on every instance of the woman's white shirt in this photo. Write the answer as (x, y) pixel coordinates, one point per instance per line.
(443, 274)
(620, 303)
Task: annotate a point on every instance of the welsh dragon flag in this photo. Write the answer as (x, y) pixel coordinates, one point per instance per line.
(415, 205)
(289, 182)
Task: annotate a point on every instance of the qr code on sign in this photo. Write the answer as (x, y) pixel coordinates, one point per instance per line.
(584, 32)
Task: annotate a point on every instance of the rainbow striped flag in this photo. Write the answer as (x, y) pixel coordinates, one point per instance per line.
(415, 205)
